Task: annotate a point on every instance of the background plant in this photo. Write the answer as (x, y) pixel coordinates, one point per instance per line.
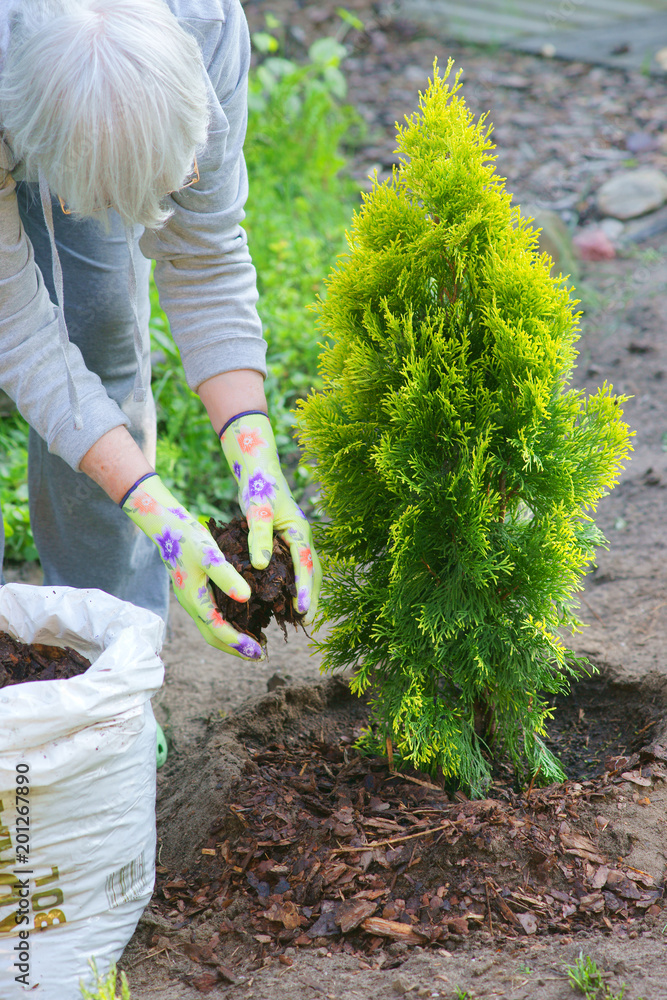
(19, 543)
(458, 470)
(300, 201)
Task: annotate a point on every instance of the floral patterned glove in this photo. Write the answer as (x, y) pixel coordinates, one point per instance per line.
(191, 556)
(265, 499)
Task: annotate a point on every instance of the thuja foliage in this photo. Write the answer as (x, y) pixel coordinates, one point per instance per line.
(459, 470)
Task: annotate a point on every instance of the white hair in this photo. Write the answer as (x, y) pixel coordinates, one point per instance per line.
(108, 99)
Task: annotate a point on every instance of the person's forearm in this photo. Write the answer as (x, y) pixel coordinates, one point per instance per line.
(115, 462)
(230, 393)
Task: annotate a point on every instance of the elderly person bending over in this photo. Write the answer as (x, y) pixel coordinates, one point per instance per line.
(123, 124)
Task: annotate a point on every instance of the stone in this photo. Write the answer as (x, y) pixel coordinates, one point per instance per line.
(632, 193)
(613, 228)
(401, 985)
(397, 948)
(482, 968)
(646, 228)
(641, 142)
(553, 239)
(593, 243)
(415, 74)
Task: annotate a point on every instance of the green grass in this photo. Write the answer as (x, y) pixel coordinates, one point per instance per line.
(299, 205)
(104, 987)
(586, 978)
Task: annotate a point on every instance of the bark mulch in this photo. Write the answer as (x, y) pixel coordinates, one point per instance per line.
(323, 847)
(21, 662)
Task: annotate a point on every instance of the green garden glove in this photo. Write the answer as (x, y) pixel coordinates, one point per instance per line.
(191, 556)
(265, 499)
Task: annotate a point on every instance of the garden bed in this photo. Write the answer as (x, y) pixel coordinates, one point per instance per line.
(303, 844)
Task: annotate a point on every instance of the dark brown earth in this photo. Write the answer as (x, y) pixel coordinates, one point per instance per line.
(21, 662)
(272, 588)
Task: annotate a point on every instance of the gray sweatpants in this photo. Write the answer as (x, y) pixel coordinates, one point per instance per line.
(83, 538)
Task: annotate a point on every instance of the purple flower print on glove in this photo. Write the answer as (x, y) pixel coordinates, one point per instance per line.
(237, 470)
(303, 600)
(248, 647)
(213, 557)
(260, 487)
(170, 545)
(191, 555)
(178, 512)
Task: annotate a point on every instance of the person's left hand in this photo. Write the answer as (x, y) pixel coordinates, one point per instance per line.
(192, 558)
(268, 505)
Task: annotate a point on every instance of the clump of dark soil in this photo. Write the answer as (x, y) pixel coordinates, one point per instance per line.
(314, 844)
(272, 588)
(21, 662)
(597, 721)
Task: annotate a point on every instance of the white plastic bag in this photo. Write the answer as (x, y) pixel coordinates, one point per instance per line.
(84, 748)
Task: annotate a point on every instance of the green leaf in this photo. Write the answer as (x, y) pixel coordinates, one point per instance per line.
(327, 51)
(264, 42)
(336, 81)
(349, 18)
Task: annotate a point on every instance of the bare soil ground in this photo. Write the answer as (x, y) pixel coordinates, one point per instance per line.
(561, 130)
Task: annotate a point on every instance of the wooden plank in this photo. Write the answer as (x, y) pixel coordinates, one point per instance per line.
(570, 12)
(621, 8)
(493, 15)
(605, 45)
(577, 30)
(500, 21)
(468, 23)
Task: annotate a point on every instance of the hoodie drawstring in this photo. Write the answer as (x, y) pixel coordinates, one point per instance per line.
(57, 271)
(139, 394)
(139, 387)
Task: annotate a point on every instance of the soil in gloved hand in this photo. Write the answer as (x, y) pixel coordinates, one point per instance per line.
(272, 588)
(21, 662)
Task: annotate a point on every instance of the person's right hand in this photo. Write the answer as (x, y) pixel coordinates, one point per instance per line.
(191, 556)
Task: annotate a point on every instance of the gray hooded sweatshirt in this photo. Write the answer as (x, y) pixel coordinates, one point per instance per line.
(203, 270)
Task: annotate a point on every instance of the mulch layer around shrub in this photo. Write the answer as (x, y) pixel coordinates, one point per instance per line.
(21, 662)
(321, 846)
